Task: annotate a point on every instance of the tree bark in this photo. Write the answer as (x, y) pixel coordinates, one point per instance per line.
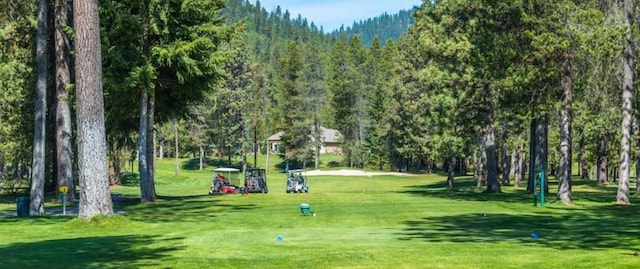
(584, 164)
(636, 129)
(177, 153)
(477, 167)
(95, 196)
(542, 148)
(601, 163)
(151, 146)
(36, 206)
(520, 170)
(506, 158)
(566, 117)
(493, 184)
(266, 140)
(532, 155)
(318, 142)
(451, 172)
(2, 167)
(64, 150)
(628, 64)
(201, 158)
(514, 162)
(112, 166)
(143, 166)
(539, 151)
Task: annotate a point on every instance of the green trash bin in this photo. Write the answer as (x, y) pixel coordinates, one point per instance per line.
(22, 206)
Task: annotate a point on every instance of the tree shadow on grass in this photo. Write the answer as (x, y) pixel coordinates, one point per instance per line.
(195, 208)
(465, 189)
(44, 220)
(593, 224)
(127, 251)
(590, 229)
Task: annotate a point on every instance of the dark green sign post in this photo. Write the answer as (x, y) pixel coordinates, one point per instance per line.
(538, 187)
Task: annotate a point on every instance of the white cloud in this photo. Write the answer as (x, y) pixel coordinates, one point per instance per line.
(332, 13)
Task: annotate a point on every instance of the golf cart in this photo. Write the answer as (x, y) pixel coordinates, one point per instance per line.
(255, 180)
(297, 181)
(225, 181)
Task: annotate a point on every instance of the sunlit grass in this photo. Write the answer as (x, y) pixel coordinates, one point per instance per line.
(360, 222)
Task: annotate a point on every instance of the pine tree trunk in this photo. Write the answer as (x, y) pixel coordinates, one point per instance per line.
(538, 147)
(115, 162)
(542, 148)
(112, 165)
(506, 158)
(584, 164)
(177, 153)
(64, 150)
(532, 155)
(564, 170)
(475, 165)
(628, 60)
(151, 145)
(636, 129)
(143, 165)
(450, 171)
(201, 159)
(2, 167)
(601, 163)
(318, 141)
(485, 171)
(268, 151)
(522, 162)
(95, 196)
(493, 184)
(36, 206)
(256, 147)
(478, 167)
(514, 162)
(243, 153)
(520, 167)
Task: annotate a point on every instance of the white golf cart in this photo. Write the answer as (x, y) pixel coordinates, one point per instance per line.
(225, 181)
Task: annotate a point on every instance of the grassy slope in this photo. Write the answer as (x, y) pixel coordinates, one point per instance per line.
(360, 222)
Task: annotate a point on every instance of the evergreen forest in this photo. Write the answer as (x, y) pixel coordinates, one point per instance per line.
(500, 89)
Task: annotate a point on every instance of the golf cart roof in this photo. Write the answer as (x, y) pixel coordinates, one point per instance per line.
(226, 169)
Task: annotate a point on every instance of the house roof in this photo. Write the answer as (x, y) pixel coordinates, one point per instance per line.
(328, 135)
(276, 137)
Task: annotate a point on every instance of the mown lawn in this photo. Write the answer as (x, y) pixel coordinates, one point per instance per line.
(360, 222)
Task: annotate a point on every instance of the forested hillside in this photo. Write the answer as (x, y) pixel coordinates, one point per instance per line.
(384, 27)
(503, 89)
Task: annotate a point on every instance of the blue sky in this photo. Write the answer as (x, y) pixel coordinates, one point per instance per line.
(330, 14)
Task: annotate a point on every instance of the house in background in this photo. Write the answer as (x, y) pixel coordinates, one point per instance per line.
(330, 141)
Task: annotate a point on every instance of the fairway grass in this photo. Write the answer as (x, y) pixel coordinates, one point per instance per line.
(360, 222)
